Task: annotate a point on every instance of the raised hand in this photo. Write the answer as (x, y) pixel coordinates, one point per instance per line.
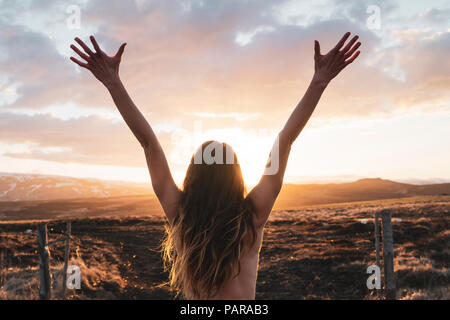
(328, 66)
(102, 66)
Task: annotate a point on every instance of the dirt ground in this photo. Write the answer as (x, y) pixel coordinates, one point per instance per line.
(314, 252)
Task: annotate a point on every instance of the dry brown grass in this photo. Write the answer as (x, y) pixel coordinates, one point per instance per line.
(313, 252)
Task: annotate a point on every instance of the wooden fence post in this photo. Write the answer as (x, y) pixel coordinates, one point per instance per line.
(388, 255)
(377, 245)
(66, 258)
(44, 262)
(377, 238)
(3, 266)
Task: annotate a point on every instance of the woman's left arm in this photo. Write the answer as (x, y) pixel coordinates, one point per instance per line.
(106, 70)
(327, 66)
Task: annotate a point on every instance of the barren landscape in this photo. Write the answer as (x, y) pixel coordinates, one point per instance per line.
(312, 252)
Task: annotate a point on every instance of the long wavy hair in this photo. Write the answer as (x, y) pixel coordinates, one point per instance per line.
(203, 246)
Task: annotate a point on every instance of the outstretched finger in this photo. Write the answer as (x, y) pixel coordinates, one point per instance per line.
(120, 51)
(351, 59)
(349, 53)
(341, 42)
(79, 52)
(317, 48)
(85, 47)
(95, 44)
(350, 44)
(78, 62)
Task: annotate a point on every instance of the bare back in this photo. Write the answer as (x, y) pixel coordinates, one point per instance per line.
(243, 287)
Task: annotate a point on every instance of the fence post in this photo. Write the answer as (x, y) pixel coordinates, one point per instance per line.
(377, 238)
(388, 255)
(3, 266)
(377, 244)
(66, 258)
(44, 262)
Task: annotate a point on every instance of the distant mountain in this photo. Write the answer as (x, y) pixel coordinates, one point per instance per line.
(19, 187)
(294, 195)
(23, 187)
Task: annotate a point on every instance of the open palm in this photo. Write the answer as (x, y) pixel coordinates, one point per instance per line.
(102, 66)
(328, 66)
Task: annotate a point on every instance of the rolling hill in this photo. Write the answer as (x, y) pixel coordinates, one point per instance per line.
(294, 195)
(23, 187)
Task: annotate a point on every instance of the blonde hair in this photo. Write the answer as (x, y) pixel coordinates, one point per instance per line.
(203, 246)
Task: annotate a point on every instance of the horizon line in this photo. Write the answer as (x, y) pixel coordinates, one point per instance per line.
(309, 180)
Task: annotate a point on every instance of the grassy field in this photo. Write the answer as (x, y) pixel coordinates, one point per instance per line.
(312, 252)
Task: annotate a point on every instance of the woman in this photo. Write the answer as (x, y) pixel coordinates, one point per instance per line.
(215, 229)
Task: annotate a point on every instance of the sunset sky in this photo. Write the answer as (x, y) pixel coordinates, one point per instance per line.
(232, 71)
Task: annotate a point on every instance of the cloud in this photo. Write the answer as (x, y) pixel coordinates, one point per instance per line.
(42, 77)
(223, 61)
(180, 58)
(423, 60)
(89, 140)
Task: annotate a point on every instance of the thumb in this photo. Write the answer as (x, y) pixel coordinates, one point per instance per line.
(120, 51)
(316, 47)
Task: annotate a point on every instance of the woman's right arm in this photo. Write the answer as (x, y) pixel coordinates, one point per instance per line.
(264, 194)
(106, 70)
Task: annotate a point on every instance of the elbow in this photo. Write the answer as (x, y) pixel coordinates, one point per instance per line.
(145, 144)
(285, 139)
(277, 188)
(158, 192)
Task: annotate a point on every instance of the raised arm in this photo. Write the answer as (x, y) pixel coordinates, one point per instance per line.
(106, 70)
(326, 68)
